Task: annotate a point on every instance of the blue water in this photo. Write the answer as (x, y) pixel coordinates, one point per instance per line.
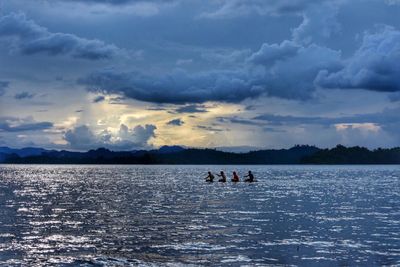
(167, 215)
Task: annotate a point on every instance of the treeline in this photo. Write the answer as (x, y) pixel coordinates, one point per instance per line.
(178, 155)
(354, 155)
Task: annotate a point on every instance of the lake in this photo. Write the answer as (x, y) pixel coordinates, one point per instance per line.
(60, 215)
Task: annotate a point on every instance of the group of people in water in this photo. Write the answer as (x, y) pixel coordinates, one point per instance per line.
(210, 177)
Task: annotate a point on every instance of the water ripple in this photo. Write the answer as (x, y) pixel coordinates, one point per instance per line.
(168, 216)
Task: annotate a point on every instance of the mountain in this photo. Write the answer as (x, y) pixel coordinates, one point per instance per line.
(179, 155)
(23, 152)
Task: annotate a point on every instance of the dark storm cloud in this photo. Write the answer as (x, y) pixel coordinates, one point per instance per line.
(191, 109)
(24, 95)
(176, 122)
(30, 38)
(3, 86)
(178, 87)
(289, 72)
(286, 70)
(98, 99)
(374, 66)
(83, 138)
(12, 124)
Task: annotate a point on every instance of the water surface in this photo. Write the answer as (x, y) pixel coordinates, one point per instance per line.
(167, 215)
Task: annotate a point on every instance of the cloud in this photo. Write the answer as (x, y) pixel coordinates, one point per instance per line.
(386, 117)
(80, 136)
(13, 124)
(319, 22)
(139, 134)
(209, 128)
(239, 8)
(29, 38)
(23, 95)
(395, 97)
(191, 109)
(269, 54)
(98, 99)
(83, 138)
(292, 75)
(286, 70)
(374, 66)
(140, 8)
(289, 71)
(177, 87)
(117, 2)
(176, 122)
(3, 87)
(238, 120)
(182, 62)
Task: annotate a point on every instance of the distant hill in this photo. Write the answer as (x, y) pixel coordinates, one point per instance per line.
(301, 154)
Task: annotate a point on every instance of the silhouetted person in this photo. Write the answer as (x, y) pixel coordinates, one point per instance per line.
(210, 177)
(235, 177)
(251, 177)
(223, 177)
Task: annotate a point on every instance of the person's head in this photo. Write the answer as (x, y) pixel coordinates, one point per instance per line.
(249, 172)
(209, 172)
(222, 172)
(234, 173)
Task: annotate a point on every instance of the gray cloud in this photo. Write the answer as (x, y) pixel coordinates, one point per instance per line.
(178, 87)
(291, 69)
(12, 124)
(83, 138)
(319, 23)
(30, 38)
(374, 66)
(292, 75)
(237, 8)
(176, 122)
(24, 95)
(209, 128)
(117, 2)
(238, 120)
(386, 117)
(285, 70)
(289, 72)
(395, 97)
(98, 99)
(270, 53)
(191, 109)
(3, 87)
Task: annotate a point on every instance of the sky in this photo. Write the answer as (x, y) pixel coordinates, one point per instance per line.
(233, 74)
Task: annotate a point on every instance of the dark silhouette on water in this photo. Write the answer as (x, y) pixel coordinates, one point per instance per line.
(251, 177)
(223, 177)
(235, 177)
(210, 177)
